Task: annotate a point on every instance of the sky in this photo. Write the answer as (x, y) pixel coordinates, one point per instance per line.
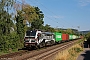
(64, 13)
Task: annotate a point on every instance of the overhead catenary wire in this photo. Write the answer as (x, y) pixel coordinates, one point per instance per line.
(49, 14)
(44, 15)
(49, 11)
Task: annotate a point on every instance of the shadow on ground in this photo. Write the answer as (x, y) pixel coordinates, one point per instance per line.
(29, 49)
(87, 52)
(86, 55)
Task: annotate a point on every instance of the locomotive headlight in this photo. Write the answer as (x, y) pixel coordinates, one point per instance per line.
(33, 40)
(26, 40)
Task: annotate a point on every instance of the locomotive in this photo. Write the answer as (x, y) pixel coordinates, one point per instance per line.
(37, 38)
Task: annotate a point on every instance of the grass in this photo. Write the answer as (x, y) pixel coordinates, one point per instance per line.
(7, 52)
(80, 41)
(70, 53)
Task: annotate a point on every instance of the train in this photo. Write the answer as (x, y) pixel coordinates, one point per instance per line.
(37, 38)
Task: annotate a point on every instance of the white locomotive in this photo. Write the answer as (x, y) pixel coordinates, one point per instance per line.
(37, 38)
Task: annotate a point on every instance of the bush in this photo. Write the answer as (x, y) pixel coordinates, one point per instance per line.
(10, 42)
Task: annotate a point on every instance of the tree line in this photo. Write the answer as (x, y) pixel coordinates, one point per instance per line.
(14, 25)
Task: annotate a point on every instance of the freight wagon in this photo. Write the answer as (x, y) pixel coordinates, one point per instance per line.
(70, 37)
(58, 37)
(65, 37)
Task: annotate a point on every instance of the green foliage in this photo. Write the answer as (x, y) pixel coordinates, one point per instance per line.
(5, 17)
(70, 31)
(38, 23)
(77, 49)
(10, 42)
(20, 25)
(67, 31)
(33, 16)
(48, 28)
(39, 13)
(62, 31)
(87, 36)
(29, 13)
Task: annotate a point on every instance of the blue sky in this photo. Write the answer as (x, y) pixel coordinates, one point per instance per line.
(65, 13)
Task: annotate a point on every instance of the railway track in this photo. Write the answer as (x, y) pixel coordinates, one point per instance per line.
(46, 54)
(41, 54)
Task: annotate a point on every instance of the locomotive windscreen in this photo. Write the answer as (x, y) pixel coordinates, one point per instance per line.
(30, 33)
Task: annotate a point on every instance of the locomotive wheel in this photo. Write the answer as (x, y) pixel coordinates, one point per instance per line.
(41, 45)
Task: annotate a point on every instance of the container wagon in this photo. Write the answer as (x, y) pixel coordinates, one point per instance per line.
(65, 37)
(70, 37)
(58, 37)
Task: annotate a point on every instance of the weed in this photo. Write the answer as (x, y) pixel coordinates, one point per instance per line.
(70, 53)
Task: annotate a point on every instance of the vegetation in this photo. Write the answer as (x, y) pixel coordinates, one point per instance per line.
(11, 33)
(87, 36)
(70, 53)
(6, 24)
(38, 23)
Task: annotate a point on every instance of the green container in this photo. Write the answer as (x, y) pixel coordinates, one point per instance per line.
(76, 37)
(70, 36)
(58, 36)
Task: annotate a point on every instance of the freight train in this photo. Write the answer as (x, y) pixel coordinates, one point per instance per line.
(40, 39)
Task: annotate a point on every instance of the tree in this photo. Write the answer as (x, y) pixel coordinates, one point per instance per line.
(62, 31)
(20, 25)
(5, 17)
(48, 28)
(38, 23)
(39, 13)
(87, 36)
(6, 24)
(27, 12)
(70, 31)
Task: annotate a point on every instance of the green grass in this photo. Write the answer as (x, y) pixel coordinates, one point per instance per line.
(7, 52)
